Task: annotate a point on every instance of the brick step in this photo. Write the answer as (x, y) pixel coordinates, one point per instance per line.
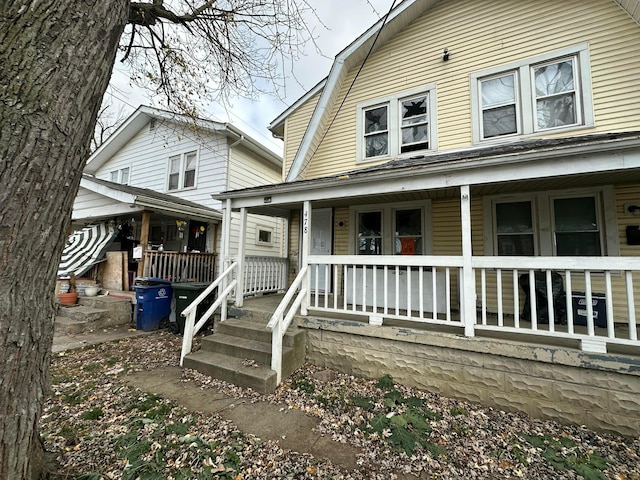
(233, 370)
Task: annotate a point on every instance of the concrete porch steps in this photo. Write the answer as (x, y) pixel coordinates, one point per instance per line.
(92, 313)
(239, 352)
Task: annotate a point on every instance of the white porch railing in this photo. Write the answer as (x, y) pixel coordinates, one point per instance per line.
(282, 317)
(225, 283)
(265, 275)
(416, 288)
(605, 282)
(179, 267)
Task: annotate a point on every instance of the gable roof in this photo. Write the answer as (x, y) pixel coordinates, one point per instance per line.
(144, 114)
(142, 198)
(381, 32)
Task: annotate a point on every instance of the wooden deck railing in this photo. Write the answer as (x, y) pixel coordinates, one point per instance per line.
(180, 267)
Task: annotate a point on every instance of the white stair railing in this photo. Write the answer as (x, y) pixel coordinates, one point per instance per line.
(282, 317)
(228, 282)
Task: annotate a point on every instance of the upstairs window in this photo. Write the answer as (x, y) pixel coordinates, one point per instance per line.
(120, 176)
(376, 131)
(182, 171)
(548, 92)
(396, 125)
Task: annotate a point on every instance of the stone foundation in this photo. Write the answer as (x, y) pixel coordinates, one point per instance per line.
(601, 391)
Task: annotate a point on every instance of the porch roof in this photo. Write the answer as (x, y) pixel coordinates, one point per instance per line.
(138, 199)
(586, 159)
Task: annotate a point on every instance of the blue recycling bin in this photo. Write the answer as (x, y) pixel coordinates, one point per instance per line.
(153, 302)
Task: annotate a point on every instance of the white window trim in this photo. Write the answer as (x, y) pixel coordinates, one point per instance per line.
(544, 243)
(394, 123)
(119, 175)
(266, 229)
(183, 156)
(526, 116)
(388, 232)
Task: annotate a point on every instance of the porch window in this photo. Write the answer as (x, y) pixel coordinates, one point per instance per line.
(408, 232)
(577, 222)
(392, 229)
(182, 171)
(370, 233)
(550, 91)
(397, 124)
(576, 227)
(264, 236)
(514, 228)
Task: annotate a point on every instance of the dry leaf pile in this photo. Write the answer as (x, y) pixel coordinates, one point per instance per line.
(100, 428)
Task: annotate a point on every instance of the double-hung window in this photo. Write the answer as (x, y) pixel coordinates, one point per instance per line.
(397, 124)
(578, 223)
(120, 176)
(545, 93)
(398, 229)
(182, 171)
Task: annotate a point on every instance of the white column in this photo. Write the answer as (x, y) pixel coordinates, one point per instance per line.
(226, 236)
(468, 280)
(241, 261)
(306, 250)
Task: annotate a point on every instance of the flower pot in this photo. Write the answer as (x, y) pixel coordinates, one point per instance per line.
(68, 298)
(91, 290)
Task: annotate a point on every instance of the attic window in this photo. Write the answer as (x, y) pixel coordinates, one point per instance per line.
(152, 124)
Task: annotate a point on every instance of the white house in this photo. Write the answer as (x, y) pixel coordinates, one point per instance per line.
(153, 180)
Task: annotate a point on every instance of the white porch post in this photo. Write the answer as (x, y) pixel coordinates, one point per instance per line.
(241, 261)
(226, 236)
(286, 225)
(468, 280)
(306, 250)
(224, 256)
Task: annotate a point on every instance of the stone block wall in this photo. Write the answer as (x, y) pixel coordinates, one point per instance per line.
(601, 391)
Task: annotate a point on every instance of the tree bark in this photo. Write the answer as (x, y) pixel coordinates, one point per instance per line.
(56, 59)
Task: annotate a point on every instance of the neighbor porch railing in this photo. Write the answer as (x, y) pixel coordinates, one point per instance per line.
(225, 284)
(179, 266)
(264, 275)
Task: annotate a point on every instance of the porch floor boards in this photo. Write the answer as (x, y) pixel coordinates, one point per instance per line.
(268, 304)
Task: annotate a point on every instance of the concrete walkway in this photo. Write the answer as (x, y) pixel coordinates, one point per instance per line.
(68, 341)
(292, 429)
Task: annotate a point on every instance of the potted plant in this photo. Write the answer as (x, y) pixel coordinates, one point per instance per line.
(71, 297)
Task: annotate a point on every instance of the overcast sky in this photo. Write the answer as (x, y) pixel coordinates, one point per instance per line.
(344, 20)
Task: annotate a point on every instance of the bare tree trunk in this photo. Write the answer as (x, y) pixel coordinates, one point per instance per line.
(56, 59)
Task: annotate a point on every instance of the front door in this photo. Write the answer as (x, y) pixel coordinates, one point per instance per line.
(321, 234)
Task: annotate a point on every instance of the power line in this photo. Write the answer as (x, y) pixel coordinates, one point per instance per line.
(344, 99)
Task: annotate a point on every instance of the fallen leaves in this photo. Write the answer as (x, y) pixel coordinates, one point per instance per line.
(99, 426)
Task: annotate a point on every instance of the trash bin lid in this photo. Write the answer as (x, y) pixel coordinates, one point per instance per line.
(190, 285)
(150, 282)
